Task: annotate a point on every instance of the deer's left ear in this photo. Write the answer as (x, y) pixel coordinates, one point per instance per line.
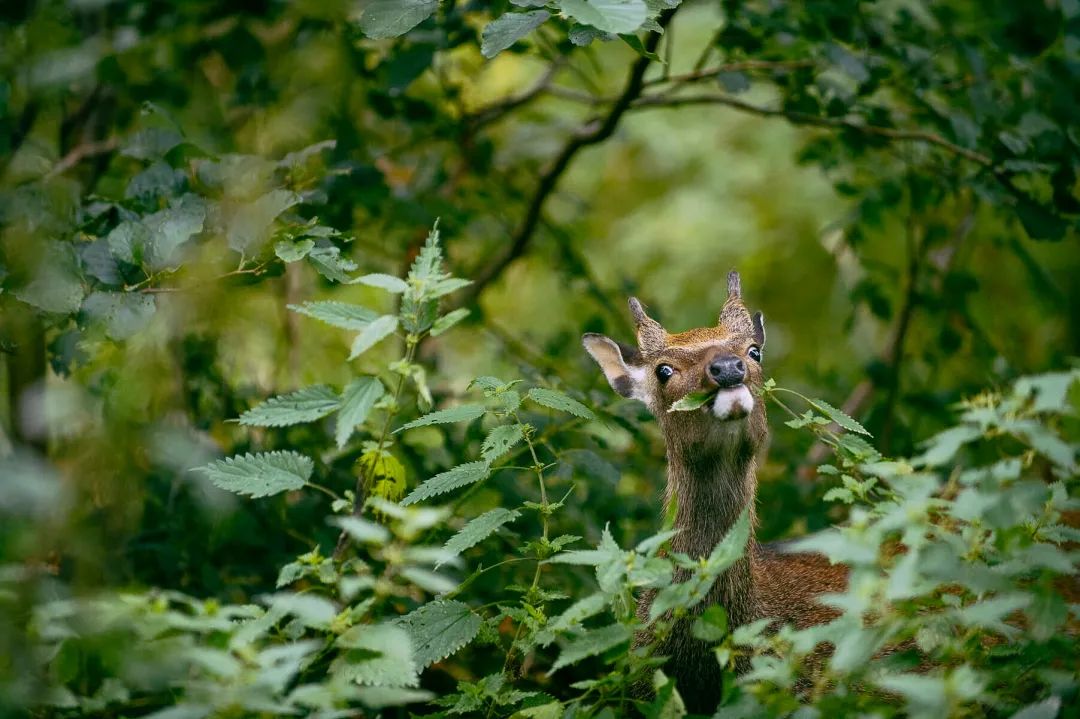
(620, 365)
(759, 328)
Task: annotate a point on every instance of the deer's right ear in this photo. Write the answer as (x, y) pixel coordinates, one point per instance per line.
(620, 365)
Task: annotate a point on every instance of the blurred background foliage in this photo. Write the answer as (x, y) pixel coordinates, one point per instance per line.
(896, 181)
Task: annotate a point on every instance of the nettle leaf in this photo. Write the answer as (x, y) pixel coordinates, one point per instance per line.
(439, 629)
(614, 16)
(448, 320)
(459, 476)
(508, 29)
(303, 405)
(479, 529)
(383, 19)
(839, 417)
(558, 400)
(377, 655)
(461, 413)
(596, 641)
(339, 314)
(693, 400)
(260, 475)
(356, 402)
(383, 282)
(379, 329)
(500, 440)
(122, 313)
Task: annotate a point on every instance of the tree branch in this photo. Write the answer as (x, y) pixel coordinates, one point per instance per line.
(592, 133)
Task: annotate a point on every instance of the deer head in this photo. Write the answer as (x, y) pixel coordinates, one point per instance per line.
(664, 367)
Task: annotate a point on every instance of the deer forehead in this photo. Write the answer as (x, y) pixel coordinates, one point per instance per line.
(695, 352)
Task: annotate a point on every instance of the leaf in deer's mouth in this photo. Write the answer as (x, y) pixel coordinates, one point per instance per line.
(693, 401)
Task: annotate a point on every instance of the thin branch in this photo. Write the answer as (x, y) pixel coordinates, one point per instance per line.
(497, 110)
(80, 153)
(592, 133)
(799, 118)
(740, 66)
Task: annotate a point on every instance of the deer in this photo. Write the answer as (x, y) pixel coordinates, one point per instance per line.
(712, 456)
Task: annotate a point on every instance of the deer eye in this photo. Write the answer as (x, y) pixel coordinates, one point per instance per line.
(664, 372)
(754, 353)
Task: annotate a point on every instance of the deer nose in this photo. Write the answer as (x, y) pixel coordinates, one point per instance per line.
(727, 371)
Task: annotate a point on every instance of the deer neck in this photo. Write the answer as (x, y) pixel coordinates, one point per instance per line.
(710, 487)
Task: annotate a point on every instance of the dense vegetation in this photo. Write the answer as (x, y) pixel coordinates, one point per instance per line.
(297, 421)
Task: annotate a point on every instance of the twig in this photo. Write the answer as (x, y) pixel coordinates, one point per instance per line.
(80, 153)
(740, 66)
(497, 110)
(799, 118)
(591, 134)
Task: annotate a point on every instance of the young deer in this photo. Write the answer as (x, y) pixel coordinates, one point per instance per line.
(711, 476)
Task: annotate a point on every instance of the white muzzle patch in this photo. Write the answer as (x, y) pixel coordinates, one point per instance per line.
(734, 403)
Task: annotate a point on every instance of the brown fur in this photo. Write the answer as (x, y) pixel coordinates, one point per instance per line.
(712, 479)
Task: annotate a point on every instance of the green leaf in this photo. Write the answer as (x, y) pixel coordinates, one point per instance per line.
(381, 697)
(479, 529)
(293, 251)
(389, 283)
(1046, 709)
(356, 402)
(558, 400)
(693, 400)
(56, 286)
(362, 530)
(327, 260)
(314, 611)
(122, 313)
(303, 405)
(383, 19)
(461, 413)
(379, 329)
(925, 695)
(614, 16)
(448, 320)
(260, 475)
(508, 29)
(439, 629)
(459, 476)
(712, 625)
(593, 642)
(172, 227)
(339, 314)
(377, 655)
(249, 227)
(151, 143)
(500, 440)
(839, 417)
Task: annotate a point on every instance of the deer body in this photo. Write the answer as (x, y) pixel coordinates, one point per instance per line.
(712, 454)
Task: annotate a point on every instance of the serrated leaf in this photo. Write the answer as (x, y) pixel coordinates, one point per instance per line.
(287, 251)
(439, 629)
(558, 400)
(260, 475)
(459, 476)
(500, 440)
(328, 261)
(479, 529)
(615, 16)
(461, 413)
(379, 329)
(389, 283)
(448, 320)
(377, 655)
(693, 400)
(839, 417)
(593, 642)
(303, 405)
(314, 611)
(508, 29)
(357, 399)
(339, 314)
(383, 19)
(578, 612)
(172, 227)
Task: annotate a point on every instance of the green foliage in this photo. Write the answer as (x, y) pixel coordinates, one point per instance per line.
(260, 475)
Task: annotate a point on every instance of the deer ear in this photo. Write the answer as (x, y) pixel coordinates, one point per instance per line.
(759, 328)
(620, 365)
